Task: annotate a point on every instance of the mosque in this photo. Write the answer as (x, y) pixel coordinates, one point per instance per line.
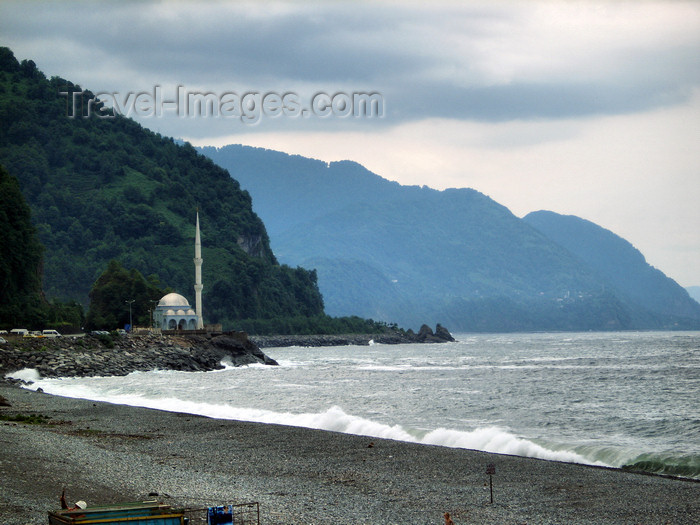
(173, 311)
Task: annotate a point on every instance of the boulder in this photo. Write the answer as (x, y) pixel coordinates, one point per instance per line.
(443, 333)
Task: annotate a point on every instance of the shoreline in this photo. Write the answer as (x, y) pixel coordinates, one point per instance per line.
(106, 453)
(90, 355)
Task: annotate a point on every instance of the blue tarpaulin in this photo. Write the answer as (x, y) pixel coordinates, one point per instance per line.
(222, 515)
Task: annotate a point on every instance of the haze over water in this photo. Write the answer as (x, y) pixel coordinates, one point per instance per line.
(610, 399)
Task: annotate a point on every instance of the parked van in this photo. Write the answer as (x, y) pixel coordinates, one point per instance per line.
(50, 333)
(19, 331)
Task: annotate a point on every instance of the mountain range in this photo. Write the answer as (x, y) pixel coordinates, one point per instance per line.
(410, 254)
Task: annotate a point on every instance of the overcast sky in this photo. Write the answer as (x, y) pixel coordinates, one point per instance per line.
(583, 108)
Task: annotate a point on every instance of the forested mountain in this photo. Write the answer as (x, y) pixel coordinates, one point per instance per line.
(106, 188)
(412, 254)
(621, 267)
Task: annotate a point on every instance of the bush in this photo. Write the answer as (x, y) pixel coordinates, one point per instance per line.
(106, 340)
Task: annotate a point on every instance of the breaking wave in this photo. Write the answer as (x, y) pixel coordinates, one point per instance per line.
(488, 439)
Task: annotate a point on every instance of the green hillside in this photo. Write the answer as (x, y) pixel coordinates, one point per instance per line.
(106, 188)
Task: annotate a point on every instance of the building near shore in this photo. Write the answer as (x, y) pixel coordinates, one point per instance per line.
(174, 311)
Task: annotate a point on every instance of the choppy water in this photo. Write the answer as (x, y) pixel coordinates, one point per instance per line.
(615, 399)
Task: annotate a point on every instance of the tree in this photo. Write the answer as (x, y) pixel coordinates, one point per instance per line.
(21, 255)
(22, 302)
(111, 294)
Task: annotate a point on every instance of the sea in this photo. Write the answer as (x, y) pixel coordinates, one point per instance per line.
(626, 399)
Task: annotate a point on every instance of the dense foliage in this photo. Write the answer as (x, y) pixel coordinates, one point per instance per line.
(22, 304)
(22, 254)
(106, 188)
(112, 294)
(320, 324)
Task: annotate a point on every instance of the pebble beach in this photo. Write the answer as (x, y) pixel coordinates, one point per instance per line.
(103, 453)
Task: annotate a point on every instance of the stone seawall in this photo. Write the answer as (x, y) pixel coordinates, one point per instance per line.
(118, 356)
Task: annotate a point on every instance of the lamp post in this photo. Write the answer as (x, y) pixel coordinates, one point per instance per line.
(131, 323)
(153, 307)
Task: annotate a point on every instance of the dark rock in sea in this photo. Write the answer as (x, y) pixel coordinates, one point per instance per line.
(425, 332)
(443, 333)
(235, 346)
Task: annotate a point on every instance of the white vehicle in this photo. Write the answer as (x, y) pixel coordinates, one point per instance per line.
(50, 333)
(19, 331)
(2, 341)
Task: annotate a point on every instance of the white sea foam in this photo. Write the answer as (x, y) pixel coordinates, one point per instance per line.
(29, 375)
(488, 439)
(494, 439)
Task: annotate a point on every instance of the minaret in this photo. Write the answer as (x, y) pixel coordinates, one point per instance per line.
(198, 276)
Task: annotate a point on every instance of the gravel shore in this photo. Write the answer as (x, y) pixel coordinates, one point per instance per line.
(104, 453)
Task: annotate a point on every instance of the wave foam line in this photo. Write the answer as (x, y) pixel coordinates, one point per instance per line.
(499, 441)
(487, 439)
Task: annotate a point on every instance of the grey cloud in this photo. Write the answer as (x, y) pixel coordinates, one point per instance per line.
(392, 49)
(521, 100)
(299, 46)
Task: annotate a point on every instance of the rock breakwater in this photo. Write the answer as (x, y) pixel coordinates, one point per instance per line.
(424, 335)
(111, 355)
(117, 356)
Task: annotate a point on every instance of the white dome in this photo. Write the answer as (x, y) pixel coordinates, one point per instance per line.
(170, 312)
(191, 312)
(174, 299)
(180, 312)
